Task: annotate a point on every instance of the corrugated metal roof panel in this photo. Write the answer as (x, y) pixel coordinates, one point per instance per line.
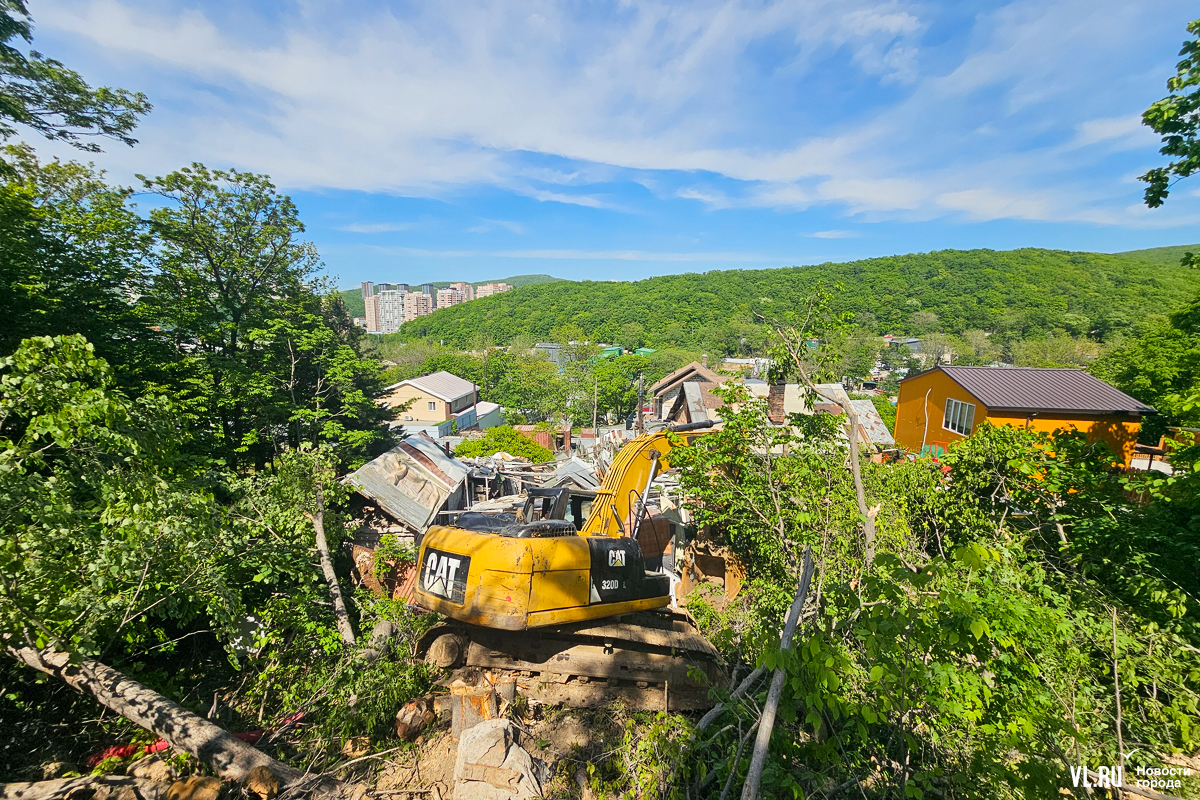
(412, 481)
(1055, 389)
(872, 423)
(450, 466)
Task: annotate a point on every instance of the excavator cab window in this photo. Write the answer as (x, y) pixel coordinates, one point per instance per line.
(580, 507)
(546, 504)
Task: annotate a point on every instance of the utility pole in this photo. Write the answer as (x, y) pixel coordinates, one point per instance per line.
(641, 426)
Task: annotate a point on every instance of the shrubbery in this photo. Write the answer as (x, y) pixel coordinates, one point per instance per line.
(504, 438)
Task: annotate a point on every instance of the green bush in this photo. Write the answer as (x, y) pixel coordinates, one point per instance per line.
(504, 438)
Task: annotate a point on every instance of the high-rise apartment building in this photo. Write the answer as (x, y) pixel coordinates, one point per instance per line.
(431, 290)
(372, 304)
(449, 297)
(466, 289)
(489, 289)
(417, 304)
(391, 310)
(368, 289)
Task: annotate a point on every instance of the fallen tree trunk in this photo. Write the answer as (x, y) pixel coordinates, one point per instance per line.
(228, 756)
(64, 787)
(341, 615)
(766, 722)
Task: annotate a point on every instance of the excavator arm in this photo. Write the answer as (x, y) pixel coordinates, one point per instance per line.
(620, 504)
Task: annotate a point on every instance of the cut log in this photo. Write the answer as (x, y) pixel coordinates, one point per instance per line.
(228, 756)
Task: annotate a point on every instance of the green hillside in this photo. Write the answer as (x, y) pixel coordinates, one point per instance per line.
(1161, 255)
(354, 302)
(1017, 293)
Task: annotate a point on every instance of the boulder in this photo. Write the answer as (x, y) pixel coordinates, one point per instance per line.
(492, 766)
(195, 788)
(153, 768)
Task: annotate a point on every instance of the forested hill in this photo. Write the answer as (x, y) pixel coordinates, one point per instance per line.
(356, 308)
(1018, 292)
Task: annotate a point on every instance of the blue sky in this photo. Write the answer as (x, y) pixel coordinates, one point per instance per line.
(475, 140)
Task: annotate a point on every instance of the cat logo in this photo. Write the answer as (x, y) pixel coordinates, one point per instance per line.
(445, 574)
(616, 558)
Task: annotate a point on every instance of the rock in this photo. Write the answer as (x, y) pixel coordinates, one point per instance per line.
(356, 747)
(492, 766)
(262, 783)
(153, 768)
(124, 793)
(195, 788)
(56, 769)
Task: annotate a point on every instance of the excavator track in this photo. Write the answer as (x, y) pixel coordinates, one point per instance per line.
(652, 660)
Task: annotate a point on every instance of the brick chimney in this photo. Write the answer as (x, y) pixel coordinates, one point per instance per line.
(775, 411)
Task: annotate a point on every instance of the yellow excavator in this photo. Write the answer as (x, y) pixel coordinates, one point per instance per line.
(568, 609)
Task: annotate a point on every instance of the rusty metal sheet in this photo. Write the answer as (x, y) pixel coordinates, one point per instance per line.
(410, 482)
(872, 425)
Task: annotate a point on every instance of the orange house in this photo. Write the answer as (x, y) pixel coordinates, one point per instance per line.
(943, 405)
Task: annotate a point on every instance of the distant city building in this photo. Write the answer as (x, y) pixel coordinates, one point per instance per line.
(360, 322)
(431, 290)
(467, 290)
(367, 289)
(449, 297)
(417, 304)
(489, 289)
(391, 310)
(372, 304)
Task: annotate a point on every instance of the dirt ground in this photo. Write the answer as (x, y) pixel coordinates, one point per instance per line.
(560, 740)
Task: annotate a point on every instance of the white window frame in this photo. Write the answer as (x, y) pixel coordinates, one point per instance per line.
(432, 405)
(959, 417)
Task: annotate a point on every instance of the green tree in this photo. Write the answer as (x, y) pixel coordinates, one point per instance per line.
(48, 97)
(234, 285)
(1176, 118)
(75, 261)
(103, 523)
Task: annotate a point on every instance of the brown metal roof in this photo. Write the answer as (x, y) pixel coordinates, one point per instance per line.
(1043, 389)
(683, 373)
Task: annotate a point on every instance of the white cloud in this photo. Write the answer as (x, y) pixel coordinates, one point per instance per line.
(488, 225)
(1128, 129)
(586, 255)
(377, 227)
(533, 98)
(834, 235)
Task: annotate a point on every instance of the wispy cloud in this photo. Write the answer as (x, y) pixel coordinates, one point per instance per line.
(488, 225)
(587, 255)
(835, 235)
(377, 227)
(995, 117)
